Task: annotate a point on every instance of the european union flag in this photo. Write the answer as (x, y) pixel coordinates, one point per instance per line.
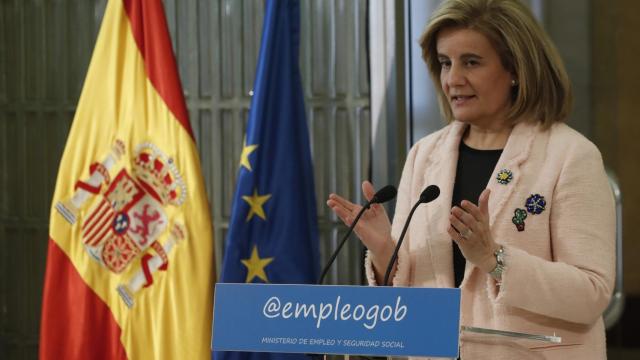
(273, 236)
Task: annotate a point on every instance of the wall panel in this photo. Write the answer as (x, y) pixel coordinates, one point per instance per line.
(54, 54)
(36, 195)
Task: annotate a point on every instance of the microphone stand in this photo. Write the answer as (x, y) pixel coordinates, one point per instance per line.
(394, 257)
(342, 242)
(383, 195)
(429, 194)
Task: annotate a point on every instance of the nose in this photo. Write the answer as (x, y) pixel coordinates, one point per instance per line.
(454, 76)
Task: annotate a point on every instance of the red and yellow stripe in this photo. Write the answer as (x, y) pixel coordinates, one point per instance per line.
(132, 93)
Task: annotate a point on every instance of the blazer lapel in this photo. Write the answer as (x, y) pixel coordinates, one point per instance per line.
(515, 153)
(442, 173)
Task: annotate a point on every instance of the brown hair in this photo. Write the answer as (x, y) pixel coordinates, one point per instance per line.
(543, 92)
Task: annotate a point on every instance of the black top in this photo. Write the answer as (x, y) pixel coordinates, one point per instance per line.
(474, 171)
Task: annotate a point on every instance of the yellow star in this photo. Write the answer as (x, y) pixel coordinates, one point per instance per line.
(246, 151)
(255, 266)
(256, 201)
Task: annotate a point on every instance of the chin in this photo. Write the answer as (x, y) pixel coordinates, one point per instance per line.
(464, 118)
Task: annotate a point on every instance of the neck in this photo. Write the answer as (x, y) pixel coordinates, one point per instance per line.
(487, 138)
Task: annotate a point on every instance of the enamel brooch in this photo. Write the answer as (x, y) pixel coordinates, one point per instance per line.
(518, 218)
(536, 204)
(504, 176)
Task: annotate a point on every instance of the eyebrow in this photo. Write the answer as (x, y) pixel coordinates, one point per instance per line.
(464, 56)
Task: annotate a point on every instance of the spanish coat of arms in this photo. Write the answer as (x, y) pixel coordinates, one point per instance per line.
(126, 219)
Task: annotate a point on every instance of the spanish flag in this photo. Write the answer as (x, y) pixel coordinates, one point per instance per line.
(130, 267)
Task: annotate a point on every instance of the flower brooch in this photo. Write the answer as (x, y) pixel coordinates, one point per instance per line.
(534, 205)
(504, 176)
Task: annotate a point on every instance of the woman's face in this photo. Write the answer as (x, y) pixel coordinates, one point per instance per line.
(476, 84)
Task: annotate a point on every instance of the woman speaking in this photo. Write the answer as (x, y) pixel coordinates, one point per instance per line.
(525, 224)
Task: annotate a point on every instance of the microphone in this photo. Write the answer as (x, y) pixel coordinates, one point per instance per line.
(382, 196)
(429, 194)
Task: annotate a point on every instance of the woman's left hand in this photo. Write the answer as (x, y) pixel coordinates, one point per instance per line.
(471, 231)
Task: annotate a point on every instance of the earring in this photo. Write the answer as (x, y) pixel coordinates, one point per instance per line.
(514, 82)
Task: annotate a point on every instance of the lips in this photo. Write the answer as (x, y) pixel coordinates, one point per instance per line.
(461, 99)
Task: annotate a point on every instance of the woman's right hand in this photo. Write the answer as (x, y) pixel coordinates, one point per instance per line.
(374, 227)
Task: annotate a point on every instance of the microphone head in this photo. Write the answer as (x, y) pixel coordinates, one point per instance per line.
(429, 194)
(383, 195)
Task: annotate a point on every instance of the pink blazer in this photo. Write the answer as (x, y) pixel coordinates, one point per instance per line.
(560, 268)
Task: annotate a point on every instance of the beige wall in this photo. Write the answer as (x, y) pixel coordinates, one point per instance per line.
(616, 96)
